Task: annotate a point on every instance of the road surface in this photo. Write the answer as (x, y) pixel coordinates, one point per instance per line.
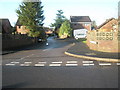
(46, 66)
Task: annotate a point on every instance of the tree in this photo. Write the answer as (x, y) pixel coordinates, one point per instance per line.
(65, 29)
(30, 14)
(93, 26)
(60, 18)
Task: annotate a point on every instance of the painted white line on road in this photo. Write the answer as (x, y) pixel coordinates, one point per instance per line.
(104, 64)
(46, 49)
(71, 64)
(27, 62)
(71, 61)
(42, 62)
(86, 65)
(24, 64)
(15, 62)
(91, 64)
(39, 65)
(54, 64)
(87, 61)
(22, 58)
(57, 62)
(118, 63)
(9, 64)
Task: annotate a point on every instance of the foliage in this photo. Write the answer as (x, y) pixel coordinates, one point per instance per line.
(65, 29)
(60, 18)
(93, 26)
(30, 14)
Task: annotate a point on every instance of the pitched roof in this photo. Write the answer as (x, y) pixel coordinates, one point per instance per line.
(80, 19)
(18, 23)
(105, 23)
(6, 26)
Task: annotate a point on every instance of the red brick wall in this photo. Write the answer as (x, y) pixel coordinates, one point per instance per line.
(22, 30)
(103, 45)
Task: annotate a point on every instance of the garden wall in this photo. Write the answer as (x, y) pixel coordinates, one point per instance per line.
(103, 41)
(10, 41)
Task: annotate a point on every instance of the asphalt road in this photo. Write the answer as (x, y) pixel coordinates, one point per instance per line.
(46, 66)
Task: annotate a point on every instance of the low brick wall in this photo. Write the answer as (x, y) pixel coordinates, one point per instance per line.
(10, 41)
(103, 41)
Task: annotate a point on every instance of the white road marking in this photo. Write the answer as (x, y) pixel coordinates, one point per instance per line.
(22, 58)
(71, 64)
(46, 49)
(27, 62)
(71, 61)
(15, 62)
(104, 64)
(24, 64)
(87, 61)
(39, 65)
(85, 64)
(57, 62)
(42, 62)
(54, 64)
(9, 64)
(118, 63)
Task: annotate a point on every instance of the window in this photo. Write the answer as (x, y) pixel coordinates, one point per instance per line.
(19, 26)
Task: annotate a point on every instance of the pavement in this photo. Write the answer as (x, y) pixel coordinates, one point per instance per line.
(81, 50)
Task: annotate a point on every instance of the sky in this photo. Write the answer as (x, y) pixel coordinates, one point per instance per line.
(97, 10)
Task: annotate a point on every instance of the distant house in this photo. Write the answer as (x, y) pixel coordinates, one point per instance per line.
(80, 25)
(21, 29)
(6, 26)
(49, 31)
(109, 25)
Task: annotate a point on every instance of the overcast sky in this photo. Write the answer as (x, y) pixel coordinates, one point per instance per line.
(98, 10)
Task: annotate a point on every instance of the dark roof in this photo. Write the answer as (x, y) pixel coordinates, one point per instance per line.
(18, 23)
(105, 23)
(80, 19)
(6, 26)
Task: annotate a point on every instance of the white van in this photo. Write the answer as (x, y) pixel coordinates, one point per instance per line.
(80, 33)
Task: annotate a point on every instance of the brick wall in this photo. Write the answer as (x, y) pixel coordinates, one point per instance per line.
(103, 41)
(22, 30)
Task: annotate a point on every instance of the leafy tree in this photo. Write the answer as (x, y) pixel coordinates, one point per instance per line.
(65, 29)
(30, 14)
(93, 26)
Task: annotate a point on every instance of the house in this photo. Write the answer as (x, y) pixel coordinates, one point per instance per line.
(21, 29)
(109, 25)
(48, 31)
(80, 25)
(6, 26)
(105, 38)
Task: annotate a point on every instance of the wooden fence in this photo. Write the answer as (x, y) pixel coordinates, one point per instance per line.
(10, 41)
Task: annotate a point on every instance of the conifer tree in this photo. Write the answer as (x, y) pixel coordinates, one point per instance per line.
(30, 14)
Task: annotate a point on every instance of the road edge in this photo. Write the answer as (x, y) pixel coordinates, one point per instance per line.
(92, 58)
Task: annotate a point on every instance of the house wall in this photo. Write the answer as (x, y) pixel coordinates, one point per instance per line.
(22, 30)
(110, 26)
